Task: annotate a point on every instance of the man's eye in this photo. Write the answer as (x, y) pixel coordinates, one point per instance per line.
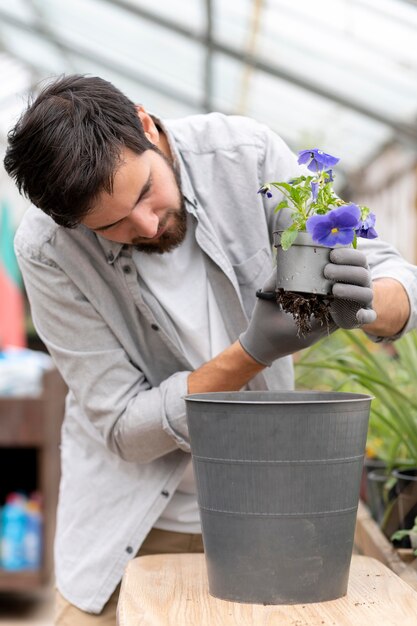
(110, 228)
(145, 194)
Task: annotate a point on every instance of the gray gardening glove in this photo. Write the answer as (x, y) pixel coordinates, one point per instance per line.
(352, 306)
(272, 333)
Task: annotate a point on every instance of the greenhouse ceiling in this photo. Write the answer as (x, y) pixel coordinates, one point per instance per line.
(338, 74)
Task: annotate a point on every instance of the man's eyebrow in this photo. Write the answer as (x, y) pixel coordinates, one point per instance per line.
(145, 189)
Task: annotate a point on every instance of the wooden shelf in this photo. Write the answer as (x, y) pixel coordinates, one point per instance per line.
(35, 423)
(24, 580)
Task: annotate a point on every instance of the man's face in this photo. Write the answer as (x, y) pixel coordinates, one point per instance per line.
(146, 208)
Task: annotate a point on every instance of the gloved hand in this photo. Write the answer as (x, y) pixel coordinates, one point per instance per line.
(272, 333)
(352, 305)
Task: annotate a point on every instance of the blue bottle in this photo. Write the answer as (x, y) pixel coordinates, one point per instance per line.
(33, 535)
(14, 520)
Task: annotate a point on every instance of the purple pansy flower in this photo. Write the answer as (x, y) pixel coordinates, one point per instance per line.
(319, 160)
(336, 227)
(366, 227)
(314, 190)
(265, 190)
(329, 177)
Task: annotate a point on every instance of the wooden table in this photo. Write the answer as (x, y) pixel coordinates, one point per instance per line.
(172, 589)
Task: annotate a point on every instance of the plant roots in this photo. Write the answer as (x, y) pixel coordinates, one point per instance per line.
(303, 306)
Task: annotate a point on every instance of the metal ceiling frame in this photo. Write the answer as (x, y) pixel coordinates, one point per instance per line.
(412, 2)
(44, 27)
(208, 65)
(117, 68)
(406, 133)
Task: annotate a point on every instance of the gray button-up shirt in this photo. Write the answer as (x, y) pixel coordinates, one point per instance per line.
(124, 437)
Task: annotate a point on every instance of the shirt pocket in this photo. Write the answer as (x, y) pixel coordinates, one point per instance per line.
(251, 275)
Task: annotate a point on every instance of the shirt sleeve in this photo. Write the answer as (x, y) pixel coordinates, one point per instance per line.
(386, 262)
(136, 421)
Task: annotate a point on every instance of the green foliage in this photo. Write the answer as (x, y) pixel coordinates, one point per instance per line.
(400, 534)
(281, 205)
(298, 198)
(325, 198)
(348, 361)
(288, 237)
(310, 196)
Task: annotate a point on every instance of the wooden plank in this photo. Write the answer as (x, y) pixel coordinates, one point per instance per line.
(173, 589)
(371, 541)
(19, 581)
(406, 555)
(54, 394)
(21, 422)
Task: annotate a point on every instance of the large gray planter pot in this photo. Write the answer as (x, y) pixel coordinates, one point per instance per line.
(278, 476)
(300, 268)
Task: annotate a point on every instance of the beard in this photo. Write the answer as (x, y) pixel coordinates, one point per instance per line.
(176, 218)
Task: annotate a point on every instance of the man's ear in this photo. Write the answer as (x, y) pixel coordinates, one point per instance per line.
(150, 130)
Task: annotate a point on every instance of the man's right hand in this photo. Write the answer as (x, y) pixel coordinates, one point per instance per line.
(272, 333)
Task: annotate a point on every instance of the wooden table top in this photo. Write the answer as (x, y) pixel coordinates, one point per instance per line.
(172, 589)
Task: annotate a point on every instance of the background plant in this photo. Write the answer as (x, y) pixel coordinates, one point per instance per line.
(400, 534)
(348, 361)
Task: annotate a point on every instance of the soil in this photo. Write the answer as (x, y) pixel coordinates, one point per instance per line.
(303, 306)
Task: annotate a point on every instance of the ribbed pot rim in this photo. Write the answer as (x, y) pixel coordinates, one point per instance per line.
(304, 239)
(300, 397)
(401, 473)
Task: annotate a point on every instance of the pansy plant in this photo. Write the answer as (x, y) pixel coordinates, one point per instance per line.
(316, 208)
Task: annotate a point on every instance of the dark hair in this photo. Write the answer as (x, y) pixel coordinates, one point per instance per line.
(65, 148)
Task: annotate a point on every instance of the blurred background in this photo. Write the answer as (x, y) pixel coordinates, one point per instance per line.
(335, 74)
(340, 75)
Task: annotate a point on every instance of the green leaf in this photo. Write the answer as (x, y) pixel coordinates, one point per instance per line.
(281, 205)
(285, 186)
(400, 534)
(298, 180)
(364, 211)
(288, 237)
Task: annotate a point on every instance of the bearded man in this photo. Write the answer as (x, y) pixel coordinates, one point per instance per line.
(141, 259)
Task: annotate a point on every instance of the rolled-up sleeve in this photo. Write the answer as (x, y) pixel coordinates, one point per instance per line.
(386, 262)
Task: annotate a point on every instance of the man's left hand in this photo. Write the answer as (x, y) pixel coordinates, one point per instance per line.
(352, 290)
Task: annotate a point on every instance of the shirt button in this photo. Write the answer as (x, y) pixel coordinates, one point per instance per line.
(154, 327)
(129, 549)
(110, 257)
(165, 493)
(127, 269)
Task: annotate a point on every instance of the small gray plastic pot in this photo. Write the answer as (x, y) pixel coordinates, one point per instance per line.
(278, 476)
(300, 268)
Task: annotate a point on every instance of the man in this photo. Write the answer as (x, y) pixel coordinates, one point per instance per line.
(141, 270)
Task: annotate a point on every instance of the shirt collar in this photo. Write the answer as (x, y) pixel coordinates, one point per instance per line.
(112, 249)
(186, 187)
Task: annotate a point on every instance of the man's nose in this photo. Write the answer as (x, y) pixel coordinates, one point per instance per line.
(145, 222)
